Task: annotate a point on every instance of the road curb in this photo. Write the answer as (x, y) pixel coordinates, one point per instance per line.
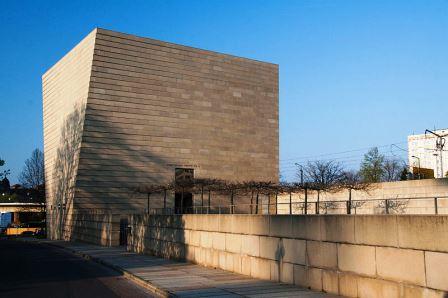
(159, 291)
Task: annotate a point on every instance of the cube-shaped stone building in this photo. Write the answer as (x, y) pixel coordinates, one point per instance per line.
(122, 111)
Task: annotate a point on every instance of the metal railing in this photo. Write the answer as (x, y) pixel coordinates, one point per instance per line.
(405, 205)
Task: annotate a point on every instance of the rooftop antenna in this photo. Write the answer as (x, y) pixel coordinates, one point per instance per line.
(440, 143)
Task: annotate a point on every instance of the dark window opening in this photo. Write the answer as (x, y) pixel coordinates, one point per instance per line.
(183, 202)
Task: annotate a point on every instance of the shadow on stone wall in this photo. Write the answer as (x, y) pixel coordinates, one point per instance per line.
(88, 197)
(64, 174)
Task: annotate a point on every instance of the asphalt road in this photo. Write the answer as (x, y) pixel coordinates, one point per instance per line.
(37, 270)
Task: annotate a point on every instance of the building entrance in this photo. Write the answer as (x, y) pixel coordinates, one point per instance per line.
(183, 201)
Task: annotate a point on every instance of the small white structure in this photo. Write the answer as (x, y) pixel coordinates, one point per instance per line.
(424, 153)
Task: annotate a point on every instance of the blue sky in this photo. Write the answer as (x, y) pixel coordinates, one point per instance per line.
(353, 74)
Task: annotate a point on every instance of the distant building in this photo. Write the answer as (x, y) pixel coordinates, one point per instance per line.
(5, 219)
(122, 111)
(424, 155)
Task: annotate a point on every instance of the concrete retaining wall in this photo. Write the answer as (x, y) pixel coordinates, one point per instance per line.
(92, 227)
(356, 256)
(425, 190)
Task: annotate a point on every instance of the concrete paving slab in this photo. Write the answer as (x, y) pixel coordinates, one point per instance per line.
(178, 279)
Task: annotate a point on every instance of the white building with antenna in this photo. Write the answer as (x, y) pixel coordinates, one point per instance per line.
(428, 151)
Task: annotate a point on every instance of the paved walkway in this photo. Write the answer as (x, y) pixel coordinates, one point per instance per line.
(179, 279)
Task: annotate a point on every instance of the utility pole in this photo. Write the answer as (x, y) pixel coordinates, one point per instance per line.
(301, 172)
(440, 143)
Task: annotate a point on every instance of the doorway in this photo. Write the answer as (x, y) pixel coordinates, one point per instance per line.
(183, 205)
(123, 240)
(183, 200)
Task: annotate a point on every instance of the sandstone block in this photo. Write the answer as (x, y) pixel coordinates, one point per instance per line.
(314, 278)
(295, 251)
(423, 232)
(198, 255)
(210, 222)
(376, 230)
(306, 227)
(241, 224)
(225, 223)
(287, 273)
(250, 245)
(195, 238)
(415, 291)
(369, 287)
(259, 225)
(215, 258)
(233, 243)
(348, 285)
(436, 270)
(330, 281)
(322, 254)
(275, 270)
(189, 251)
(260, 268)
(222, 259)
(206, 239)
(246, 265)
(280, 226)
(401, 265)
(208, 260)
(219, 241)
(229, 262)
(269, 247)
(237, 263)
(300, 276)
(357, 258)
(338, 228)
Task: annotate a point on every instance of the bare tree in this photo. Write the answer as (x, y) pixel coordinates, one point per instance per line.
(33, 172)
(323, 174)
(352, 180)
(392, 169)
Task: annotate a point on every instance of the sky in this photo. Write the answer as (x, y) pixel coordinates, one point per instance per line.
(353, 74)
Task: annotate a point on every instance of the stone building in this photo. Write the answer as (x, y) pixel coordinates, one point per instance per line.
(121, 111)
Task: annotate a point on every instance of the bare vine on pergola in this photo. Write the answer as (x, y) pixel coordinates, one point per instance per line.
(233, 189)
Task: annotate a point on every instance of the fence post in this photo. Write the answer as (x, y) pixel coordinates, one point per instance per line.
(387, 206)
(148, 201)
(290, 202)
(231, 202)
(305, 209)
(276, 203)
(436, 207)
(208, 201)
(349, 203)
(256, 202)
(269, 203)
(202, 195)
(251, 202)
(317, 207)
(182, 201)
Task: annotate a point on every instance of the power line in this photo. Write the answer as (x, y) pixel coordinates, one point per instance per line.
(341, 159)
(341, 152)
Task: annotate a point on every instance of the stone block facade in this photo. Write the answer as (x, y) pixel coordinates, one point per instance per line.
(349, 263)
(122, 111)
